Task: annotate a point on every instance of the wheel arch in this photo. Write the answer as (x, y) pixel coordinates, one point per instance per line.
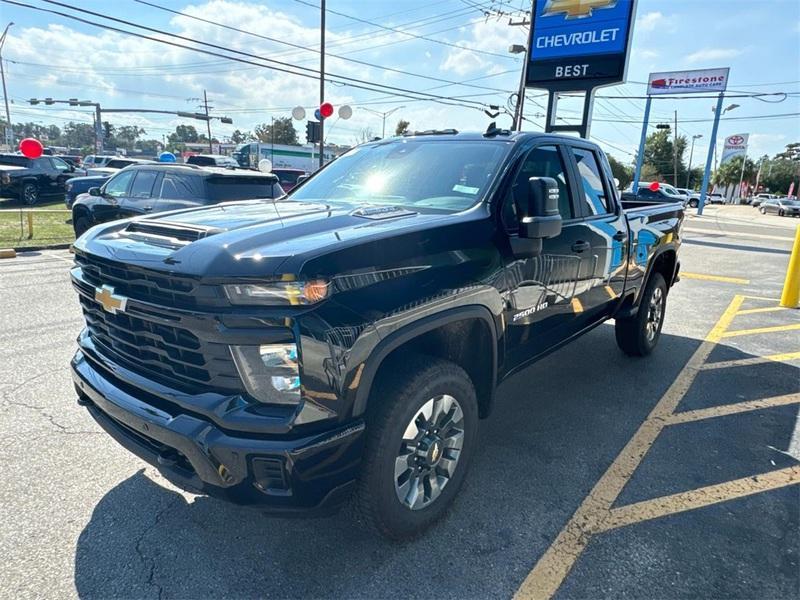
(665, 262)
(455, 335)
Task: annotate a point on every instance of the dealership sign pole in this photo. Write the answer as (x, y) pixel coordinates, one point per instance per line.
(577, 46)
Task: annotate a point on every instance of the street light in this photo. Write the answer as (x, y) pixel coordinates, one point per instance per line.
(691, 154)
(519, 49)
(9, 133)
(383, 115)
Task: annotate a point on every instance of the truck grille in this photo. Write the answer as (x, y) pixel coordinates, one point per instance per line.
(145, 285)
(169, 355)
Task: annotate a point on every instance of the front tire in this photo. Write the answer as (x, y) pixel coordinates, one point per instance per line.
(763, 210)
(421, 433)
(29, 194)
(639, 335)
(81, 225)
(693, 203)
(781, 212)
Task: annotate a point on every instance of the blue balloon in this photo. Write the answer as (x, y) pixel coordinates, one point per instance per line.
(166, 157)
(318, 115)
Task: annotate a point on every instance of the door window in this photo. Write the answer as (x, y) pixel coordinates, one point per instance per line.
(595, 199)
(179, 187)
(544, 161)
(118, 185)
(59, 164)
(143, 184)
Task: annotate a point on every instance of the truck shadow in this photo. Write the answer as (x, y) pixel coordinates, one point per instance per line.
(556, 428)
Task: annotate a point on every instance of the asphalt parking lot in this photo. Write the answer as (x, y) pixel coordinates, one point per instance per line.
(598, 475)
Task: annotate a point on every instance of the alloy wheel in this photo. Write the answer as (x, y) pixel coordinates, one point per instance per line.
(30, 194)
(429, 452)
(655, 312)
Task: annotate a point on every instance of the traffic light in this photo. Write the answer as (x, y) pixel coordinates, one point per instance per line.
(313, 132)
(33, 101)
(49, 101)
(663, 126)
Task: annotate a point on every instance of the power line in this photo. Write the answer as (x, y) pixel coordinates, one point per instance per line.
(305, 48)
(348, 81)
(413, 35)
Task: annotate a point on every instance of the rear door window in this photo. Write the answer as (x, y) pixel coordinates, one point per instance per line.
(143, 184)
(176, 186)
(225, 188)
(595, 198)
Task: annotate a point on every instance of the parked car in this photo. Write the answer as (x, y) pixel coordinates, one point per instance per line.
(97, 160)
(692, 196)
(662, 194)
(715, 198)
(31, 179)
(758, 199)
(154, 188)
(288, 178)
(349, 337)
(212, 160)
(81, 185)
(783, 207)
(116, 163)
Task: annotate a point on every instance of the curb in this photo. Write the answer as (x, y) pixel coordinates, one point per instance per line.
(8, 253)
(39, 248)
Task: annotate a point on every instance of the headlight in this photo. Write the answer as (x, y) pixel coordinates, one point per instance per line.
(270, 372)
(69, 187)
(277, 292)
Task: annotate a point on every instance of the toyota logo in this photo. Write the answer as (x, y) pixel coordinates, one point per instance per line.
(735, 140)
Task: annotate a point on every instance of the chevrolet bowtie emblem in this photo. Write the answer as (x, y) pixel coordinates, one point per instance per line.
(109, 300)
(575, 8)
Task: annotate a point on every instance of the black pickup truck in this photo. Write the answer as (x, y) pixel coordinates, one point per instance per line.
(345, 340)
(29, 179)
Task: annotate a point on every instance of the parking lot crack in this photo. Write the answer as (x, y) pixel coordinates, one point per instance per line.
(148, 562)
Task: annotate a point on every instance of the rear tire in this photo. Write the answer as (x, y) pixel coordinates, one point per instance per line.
(421, 432)
(638, 335)
(781, 212)
(29, 194)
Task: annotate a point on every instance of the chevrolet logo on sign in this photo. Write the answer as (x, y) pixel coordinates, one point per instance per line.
(109, 300)
(575, 8)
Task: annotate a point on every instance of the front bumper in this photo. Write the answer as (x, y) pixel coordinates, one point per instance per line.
(283, 475)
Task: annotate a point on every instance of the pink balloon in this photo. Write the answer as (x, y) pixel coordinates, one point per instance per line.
(31, 148)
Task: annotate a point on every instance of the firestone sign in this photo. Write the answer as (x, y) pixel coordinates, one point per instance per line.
(688, 82)
(578, 44)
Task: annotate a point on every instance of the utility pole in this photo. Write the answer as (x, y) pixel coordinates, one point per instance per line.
(9, 133)
(383, 115)
(208, 122)
(691, 155)
(675, 152)
(741, 174)
(321, 78)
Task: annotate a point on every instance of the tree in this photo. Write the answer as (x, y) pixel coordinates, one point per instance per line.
(77, 135)
(402, 127)
(777, 174)
(184, 134)
(658, 154)
(150, 147)
(731, 171)
(623, 172)
(128, 134)
(364, 135)
(240, 137)
(279, 131)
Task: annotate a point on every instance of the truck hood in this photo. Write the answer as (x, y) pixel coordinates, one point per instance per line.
(255, 238)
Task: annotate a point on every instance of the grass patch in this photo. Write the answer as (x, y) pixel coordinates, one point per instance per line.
(49, 228)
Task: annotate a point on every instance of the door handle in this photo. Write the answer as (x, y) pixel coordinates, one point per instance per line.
(619, 236)
(580, 246)
(147, 208)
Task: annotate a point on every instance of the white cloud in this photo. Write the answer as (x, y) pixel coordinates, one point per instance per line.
(484, 36)
(649, 21)
(711, 54)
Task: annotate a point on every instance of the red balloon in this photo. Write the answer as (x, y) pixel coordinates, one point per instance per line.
(326, 109)
(31, 148)
(654, 186)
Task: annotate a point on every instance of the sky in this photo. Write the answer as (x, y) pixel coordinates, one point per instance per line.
(456, 49)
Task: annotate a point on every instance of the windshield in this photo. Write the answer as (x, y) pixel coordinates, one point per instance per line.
(450, 175)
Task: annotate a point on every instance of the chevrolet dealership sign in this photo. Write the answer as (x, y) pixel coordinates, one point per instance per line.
(688, 82)
(578, 44)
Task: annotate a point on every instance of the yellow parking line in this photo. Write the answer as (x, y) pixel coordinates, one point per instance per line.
(755, 360)
(762, 298)
(610, 292)
(704, 277)
(577, 307)
(555, 564)
(751, 311)
(731, 409)
(705, 496)
(773, 329)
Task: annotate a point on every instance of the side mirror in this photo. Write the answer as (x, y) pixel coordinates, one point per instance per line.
(540, 219)
(301, 179)
(94, 191)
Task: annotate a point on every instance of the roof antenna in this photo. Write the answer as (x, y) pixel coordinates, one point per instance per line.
(491, 129)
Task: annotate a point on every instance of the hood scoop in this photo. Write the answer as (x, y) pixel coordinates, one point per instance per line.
(377, 213)
(164, 233)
